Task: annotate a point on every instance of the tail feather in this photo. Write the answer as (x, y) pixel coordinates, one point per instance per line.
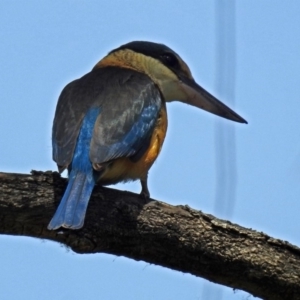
(72, 208)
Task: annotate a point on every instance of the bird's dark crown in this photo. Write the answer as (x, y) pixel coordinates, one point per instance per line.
(158, 51)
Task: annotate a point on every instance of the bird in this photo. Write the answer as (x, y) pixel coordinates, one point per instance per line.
(110, 125)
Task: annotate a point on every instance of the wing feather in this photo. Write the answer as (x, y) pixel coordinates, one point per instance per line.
(129, 102)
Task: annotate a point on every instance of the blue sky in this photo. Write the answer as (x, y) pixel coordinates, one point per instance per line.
(46, 44)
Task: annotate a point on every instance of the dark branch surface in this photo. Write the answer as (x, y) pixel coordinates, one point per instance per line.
(175, 237)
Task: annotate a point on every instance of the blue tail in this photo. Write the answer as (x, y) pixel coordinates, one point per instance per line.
(72, 208)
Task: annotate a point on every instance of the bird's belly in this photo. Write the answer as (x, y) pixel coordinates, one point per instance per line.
(124, 169)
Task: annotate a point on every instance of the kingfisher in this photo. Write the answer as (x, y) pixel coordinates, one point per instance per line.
(110, 124)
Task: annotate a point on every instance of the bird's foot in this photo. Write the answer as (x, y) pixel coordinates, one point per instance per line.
(145, 192)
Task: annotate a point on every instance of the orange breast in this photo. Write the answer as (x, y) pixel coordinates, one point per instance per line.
(123, 169)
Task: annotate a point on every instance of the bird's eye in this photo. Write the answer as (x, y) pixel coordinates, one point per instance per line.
(170, 59)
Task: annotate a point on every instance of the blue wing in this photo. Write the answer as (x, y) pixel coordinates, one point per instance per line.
(129, 102)
(127, 132)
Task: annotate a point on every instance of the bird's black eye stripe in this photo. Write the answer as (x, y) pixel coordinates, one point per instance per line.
(169, 59)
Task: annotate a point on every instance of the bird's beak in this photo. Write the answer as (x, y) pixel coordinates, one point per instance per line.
(195, 95)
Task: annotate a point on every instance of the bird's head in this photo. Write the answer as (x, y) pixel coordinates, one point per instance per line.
(170, 73)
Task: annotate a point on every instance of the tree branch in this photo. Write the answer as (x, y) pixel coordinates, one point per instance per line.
(175, 237)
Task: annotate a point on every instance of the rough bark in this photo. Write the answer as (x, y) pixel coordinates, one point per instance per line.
(175, 237)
